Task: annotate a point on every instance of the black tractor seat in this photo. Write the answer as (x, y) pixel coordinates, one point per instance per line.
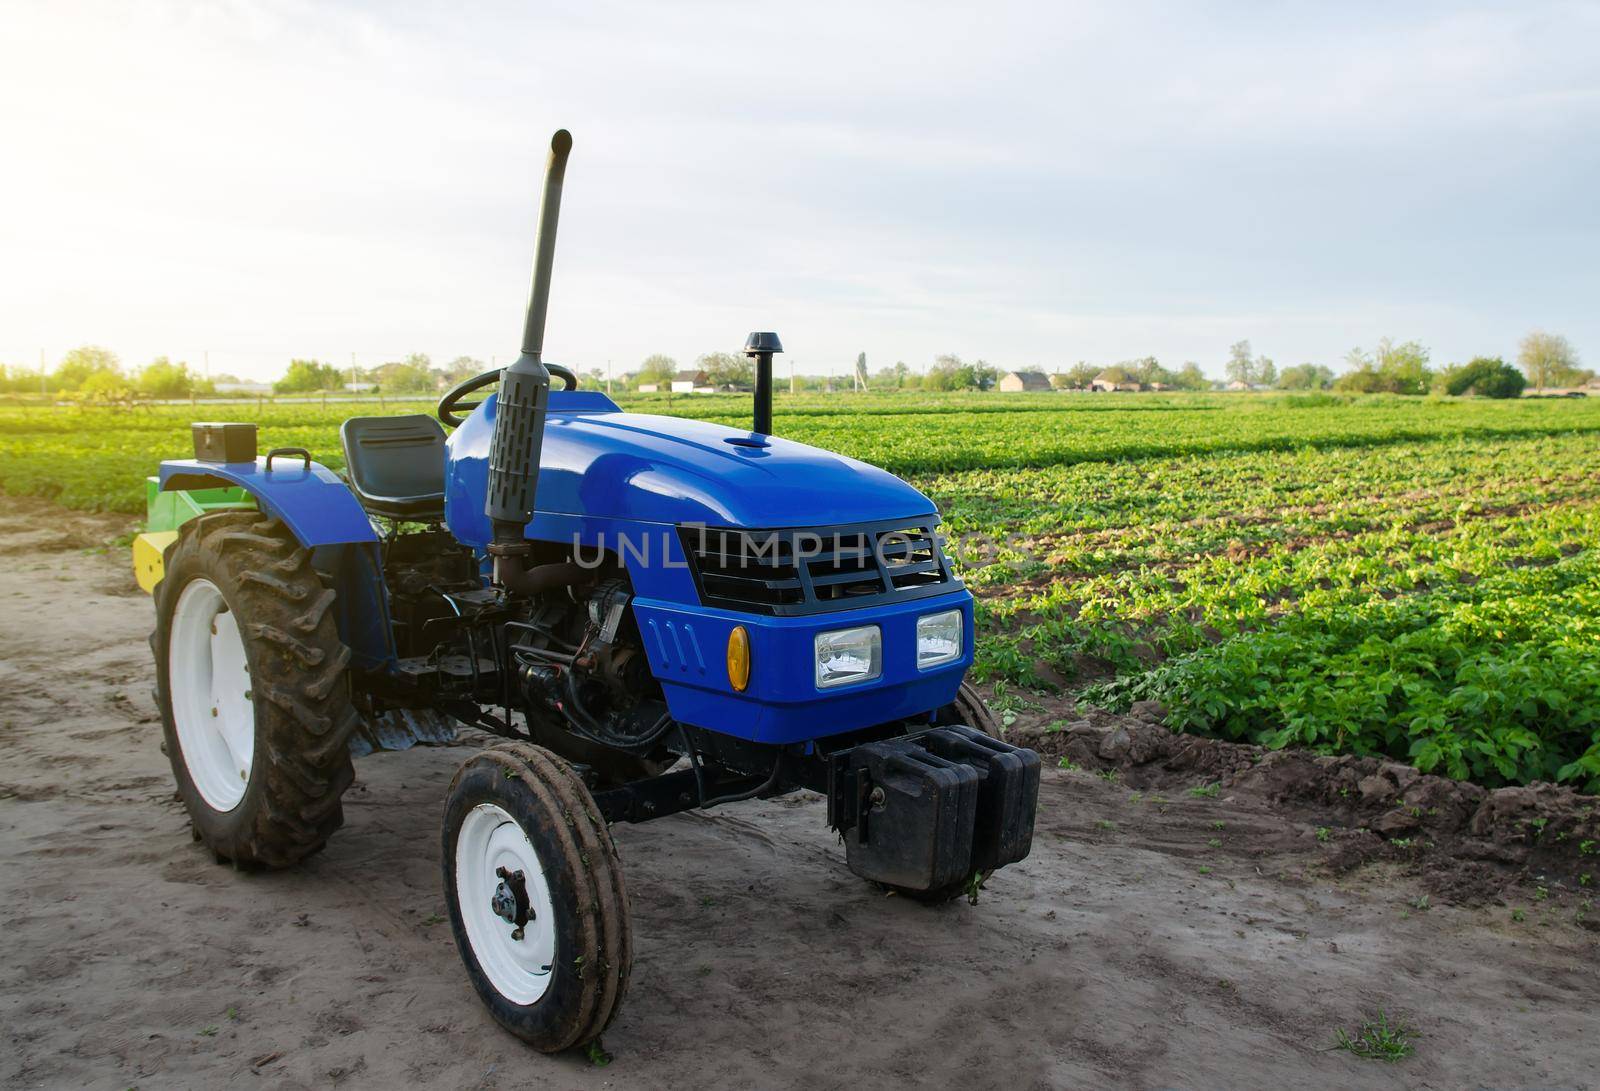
(396, 465)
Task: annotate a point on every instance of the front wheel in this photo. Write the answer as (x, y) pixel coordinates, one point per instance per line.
(971, 709)
(536, 899)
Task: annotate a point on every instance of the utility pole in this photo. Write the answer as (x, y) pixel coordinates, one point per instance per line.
(608, 378)
(352, 372)
(206, 353)
(791, 375)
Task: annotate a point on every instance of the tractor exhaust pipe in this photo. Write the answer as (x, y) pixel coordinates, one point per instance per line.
(762, 346)
(544, 249)
(524, 396)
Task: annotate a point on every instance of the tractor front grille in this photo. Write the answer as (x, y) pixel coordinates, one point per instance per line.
(810, 571)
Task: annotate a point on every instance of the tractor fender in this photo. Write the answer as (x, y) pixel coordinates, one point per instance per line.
(324, 516)
(312, 500)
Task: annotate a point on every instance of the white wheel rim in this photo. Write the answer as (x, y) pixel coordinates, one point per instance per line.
(212, 708)
(519, 969)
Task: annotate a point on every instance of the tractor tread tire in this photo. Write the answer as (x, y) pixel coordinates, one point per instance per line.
(595, 966)
(971, 709)
(303, 712)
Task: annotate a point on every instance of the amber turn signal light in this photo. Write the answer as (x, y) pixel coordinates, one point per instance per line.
(739, 658)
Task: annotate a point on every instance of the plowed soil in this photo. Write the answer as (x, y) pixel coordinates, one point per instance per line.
(1192, 914)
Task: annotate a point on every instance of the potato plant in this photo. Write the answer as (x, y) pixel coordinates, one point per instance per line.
(1418, 578)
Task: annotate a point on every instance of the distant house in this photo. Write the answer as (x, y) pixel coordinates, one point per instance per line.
(360, 388)
(692, 382)
(648, 388)
(1105, 381)
(1238, 384)
(1017, 382)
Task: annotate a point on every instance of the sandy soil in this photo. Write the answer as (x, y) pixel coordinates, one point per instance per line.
(1129, 950)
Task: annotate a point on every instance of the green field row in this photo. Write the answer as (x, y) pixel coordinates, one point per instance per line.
(1418, 578)
(97, 458)
(1435, 602)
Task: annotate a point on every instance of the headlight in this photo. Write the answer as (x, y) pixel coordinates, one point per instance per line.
(849, 655)
(938, 638)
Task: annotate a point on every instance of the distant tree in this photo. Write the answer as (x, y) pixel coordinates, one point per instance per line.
(413, 375)
(658, 369)
(1361, 378)
(728, 369)
(1390, 368)
(106, 386)
(861, 371)
(885, 378)
(1487, 377)
(1144, 371)
(1548, 359)
(1116, 373)
(161, 378)
(1404, 367)
(1081, 374)
(948, 372)
(1190, 377)
(463, 367)
(78, 365)
(307, 376)
(1241, 366)
(14, 379)
(902, 371)
(1305, 377)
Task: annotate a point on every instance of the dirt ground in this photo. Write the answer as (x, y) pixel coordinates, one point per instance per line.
(1155, 938)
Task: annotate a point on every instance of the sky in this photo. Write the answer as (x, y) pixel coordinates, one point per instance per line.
(1030, 184)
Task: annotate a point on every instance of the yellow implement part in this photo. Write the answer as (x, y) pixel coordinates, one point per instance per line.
(147, 550)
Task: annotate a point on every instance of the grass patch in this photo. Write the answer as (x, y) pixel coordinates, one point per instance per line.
(1379, 1039)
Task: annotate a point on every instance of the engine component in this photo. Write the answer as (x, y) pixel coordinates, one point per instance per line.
(606, 607)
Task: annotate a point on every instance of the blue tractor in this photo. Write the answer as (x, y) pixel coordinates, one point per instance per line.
(655, 614)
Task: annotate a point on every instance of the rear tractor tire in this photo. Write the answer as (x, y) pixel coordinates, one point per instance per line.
(535, 894)
(250, 679)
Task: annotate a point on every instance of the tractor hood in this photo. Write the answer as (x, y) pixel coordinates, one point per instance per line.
(599, 462)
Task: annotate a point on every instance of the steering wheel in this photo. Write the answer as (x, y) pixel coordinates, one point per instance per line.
(451, 404)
